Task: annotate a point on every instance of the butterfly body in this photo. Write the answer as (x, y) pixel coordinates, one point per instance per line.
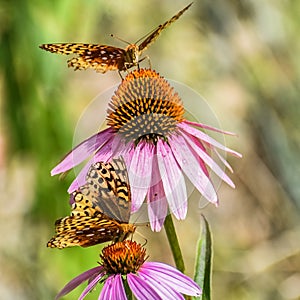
(105, 58)
(100, 210)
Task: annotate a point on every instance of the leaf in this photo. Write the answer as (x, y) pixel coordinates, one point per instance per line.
(204, 260)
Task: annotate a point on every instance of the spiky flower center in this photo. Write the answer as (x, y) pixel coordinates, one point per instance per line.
(145, 106)
(123, 257)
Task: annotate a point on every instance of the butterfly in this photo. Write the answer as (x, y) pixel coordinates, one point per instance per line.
(100, 209)
(105, 58)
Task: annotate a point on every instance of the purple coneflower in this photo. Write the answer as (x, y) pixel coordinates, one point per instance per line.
(147, 127)
(123, 265)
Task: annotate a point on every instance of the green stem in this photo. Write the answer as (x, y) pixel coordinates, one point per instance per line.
(174, 244)
(127, 290)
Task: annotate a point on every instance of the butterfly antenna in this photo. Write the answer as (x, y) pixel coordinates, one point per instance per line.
(119, 39)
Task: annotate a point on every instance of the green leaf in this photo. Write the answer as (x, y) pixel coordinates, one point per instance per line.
(204, 260)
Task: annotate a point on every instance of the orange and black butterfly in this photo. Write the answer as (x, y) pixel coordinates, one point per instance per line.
(100, 211)
(104, 58)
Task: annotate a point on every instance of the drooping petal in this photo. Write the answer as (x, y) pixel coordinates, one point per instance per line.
(82, 151)
(103, 154)
(157, 206)
(118, 291)
(206, 138)
(223, 160)
(164, 291)
(171, 277)
(128, 154)
(106, 289)
(173, 180)
(118, 145)
(200, 161)
(140, 173)
(141, 289)
(190, 165)
(198, 148)
(113, 289)
(80, 180)
(90, 286)
(156, 199)
(78, 280)
(204, 126)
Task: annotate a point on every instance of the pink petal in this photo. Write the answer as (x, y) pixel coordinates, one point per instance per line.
(163, 290)
(90, 286)
(156, 199)
(80, 180)
(118, 146)
(140, 288)
(223, 160)
(140, 173)
(173, 180)
(82, 151)
(118, 288)
(103, 154)
(206, 138)
(78, 280)
(196, 145)
(189, 164)
(128, 154)
(158, 207)
(106, 290)
(113, 288)
(171, 277)
(204, 126)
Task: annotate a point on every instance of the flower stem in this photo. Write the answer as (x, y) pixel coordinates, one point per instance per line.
(174, 244)
(127, 290)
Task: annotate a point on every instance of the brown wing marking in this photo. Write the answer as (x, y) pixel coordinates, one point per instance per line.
(102, 58)
(100, 211)
(83, 231)
(109, 189)
(154, 35)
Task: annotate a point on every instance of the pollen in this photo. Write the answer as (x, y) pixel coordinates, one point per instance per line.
(145, 106)
(123, 257)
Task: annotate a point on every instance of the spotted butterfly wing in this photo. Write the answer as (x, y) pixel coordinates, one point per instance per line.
(111, 195)
(102, 58)
(87, 231)
(156, 32)
(105, 58)
(91, 222)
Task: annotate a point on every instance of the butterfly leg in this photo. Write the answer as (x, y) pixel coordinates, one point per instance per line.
(148, 59)
(120, 74)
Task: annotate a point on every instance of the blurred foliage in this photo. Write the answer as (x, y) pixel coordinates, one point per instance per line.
(243, 55)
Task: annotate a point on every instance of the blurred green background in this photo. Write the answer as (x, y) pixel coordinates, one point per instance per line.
(241, 55)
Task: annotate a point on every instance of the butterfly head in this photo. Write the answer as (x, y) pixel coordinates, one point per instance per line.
(132, 54)
(125, 231)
